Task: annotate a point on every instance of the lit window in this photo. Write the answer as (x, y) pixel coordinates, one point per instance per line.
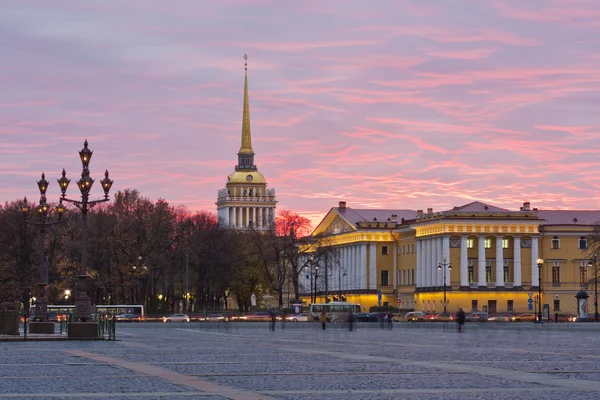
(470, 243)
(583, 273)
(555, 274)
(505, 243)
(488, 243)
(506, 273)
(471, 273)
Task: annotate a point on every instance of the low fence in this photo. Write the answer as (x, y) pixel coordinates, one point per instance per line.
(63, 329)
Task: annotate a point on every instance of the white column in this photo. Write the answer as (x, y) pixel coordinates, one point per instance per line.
(238, 217)
(419, 267)
(259, 217)
(535, 272)
(363, 266)
(428, 274)
(247, 216)
(373, 266)
(445, 251)
(353, 273)
(517, 261)
(438, 259)
(481, 260)
(499, 262)
(436, 281)
(464, 262)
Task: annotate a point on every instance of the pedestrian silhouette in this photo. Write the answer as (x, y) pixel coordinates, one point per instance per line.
(323, 319)
(460, 320)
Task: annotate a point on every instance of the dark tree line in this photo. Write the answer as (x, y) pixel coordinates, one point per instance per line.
(152, 253)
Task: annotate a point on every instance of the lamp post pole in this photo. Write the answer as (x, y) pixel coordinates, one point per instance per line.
(540, 264)
(316, 277)
(83, 301)
(444, 266)
(43, 208)
(340, 279)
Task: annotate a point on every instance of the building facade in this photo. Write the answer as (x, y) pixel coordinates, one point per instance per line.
(481, 257)
(246, 202)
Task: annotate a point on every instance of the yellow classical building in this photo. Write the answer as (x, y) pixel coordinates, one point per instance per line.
(478, 256)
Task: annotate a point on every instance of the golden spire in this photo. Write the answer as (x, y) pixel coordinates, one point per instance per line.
(246, 136)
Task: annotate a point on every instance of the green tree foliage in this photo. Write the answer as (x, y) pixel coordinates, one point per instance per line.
(138, 250)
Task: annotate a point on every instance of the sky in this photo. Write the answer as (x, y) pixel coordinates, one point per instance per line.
(383, 104)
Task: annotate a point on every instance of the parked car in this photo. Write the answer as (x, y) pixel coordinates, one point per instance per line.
(500, 317)
(177, 318)
(477, 317)
(257, 316)
(127, 318)
(564, 318)
(529, 317)
(297, 317)
(216, 318)
(415, 316)
(366, 317)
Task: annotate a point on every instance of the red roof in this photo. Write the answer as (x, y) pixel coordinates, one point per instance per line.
(355, 216)
(479, 206)
(570, 217)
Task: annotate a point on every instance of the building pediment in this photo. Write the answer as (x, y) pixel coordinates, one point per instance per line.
(333, 224)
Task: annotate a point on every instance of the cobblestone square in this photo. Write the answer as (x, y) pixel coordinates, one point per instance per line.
(247, 361)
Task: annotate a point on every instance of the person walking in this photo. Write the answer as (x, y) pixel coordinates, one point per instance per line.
(460, 319)
(390, 319)
(323, 319)
(350, 321)
(273, 320)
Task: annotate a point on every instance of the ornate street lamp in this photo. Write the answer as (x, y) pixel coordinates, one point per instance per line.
(593, 263)
(42, 210)
(342, 269)
(83, 302)
(444, 266)
(540, 264)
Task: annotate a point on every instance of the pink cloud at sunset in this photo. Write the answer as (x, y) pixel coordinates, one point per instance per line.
(393, 104)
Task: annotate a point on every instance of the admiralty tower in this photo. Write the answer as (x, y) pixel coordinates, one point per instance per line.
(246, 202)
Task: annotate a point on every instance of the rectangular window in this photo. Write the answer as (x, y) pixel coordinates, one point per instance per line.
(583, 274)
(556, 305)
(583, 243)
(488, 243)
(488, 273)
(412, 246)
(555, 274)
(510, 305)
(471, 274)
(555, 243)
(505, 243)
(470, 243)
(474, 305)
(384, 278)
(384, 250)
(413, 277)
(506, 274)
(403, 249)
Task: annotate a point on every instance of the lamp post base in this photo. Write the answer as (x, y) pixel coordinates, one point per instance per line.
(41, 327)
(84, 330)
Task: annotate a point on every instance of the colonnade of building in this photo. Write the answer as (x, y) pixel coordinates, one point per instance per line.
(242, 216)
(357, 262)
(432, 251)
